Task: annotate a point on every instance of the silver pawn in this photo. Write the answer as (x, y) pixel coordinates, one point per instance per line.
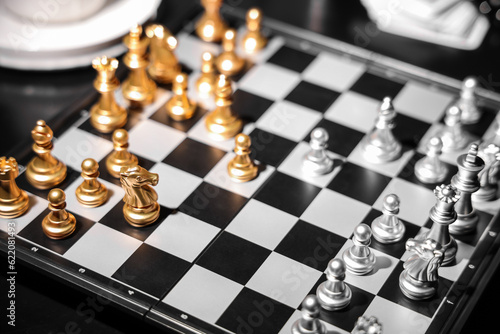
(467, 182)
(309, 323)
(453, 135)
(489, 176)
(380, 145)
(365, 325)
(316, 161)
(467, 102)
(388, 228)
(359, 259)
(430, 169)
(334, 294)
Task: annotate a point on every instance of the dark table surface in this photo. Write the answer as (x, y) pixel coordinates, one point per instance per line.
(49, 306)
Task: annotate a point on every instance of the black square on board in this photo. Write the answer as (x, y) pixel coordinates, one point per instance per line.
(269, 148)
(213, 205)
(115, 219)
(33, 232)
(312, 96)
(71, 176)
(104, 174)
(291, 59)
(252, 312)
(341, 139)
(409, 130)
(233, 257)
(287, 193)
(376, 87)
(194, 157)
(391, 291)
(249, 107)
(479, 128)
(310, 245)
(161, 116)
(151, 270)
(359, 183)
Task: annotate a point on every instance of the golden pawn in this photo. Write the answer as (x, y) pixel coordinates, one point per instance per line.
(91, 193)
(241, 168)
(253, 40)
(206, 82)
(59, 223)
(44, 171)
(228, 62)
(222, 123)
(163, 64)
(106, 115)
(180, 107)
(13, 201)
(141, 207)
(211, 26)
(138, 88)
(120, 157)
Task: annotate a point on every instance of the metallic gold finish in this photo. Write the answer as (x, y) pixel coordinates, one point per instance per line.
(106, 115)
(120, 157)
(241, 168)
(91, 192)
(253, 40)
(180, 107)
(228, 62)
(222, 123)
(13, 201)
(211, 26)
(138, 88)
(206, 82)
(141, 207)
(59, 223)
(163, 64)
(44, 171)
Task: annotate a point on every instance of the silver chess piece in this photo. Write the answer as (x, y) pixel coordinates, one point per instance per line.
(380, 145)
(467, 182)
(443, 214)
(495, 137)
(334, 294)
(419, 279)
(309, 322)
(454, 137)
(316, 161)
(388, 228)
(430, 169)
(365, 325)
(359, 259)
(490, 175)
(467, 102)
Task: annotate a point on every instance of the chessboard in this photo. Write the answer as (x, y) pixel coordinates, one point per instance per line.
(228, 257)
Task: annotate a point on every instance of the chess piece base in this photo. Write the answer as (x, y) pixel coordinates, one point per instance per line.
(219, 130)
(387, 234)
(317, 168)
(485, 194)
(242, 173)
(59, 230)
(140, 217)
(415, 289)
(92, 198)
(114, 163)
(210, 29)
(107, 121)
(229, 63)
(139, 96)
(331, 301)
(15, 207)
(178, 111)
(42, 176)
(464, 224)
(253, 42)
(378, 155)
(429, 176)
(356, 265)
(205, 84)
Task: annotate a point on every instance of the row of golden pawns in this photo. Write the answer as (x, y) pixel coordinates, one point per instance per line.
(141, 208)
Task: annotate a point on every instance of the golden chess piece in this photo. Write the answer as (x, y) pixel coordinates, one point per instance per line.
(163, 64)
(13, 200)
(241, 168)
(120, 157)
(253, 40)
(222, 123)
(91, 193)
(180, 107)
(141, 207)
(206, 82)
(59, 223)
(44, 171)
(138, 88)
(228, 62)
(106, 115)
(211, 26)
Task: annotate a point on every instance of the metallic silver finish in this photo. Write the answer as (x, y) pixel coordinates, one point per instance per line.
(334, 294)
(430, 169)
(309, 323)
(467, 102)
(388, 228)
(359, 259)
(453, 135)
(317, 162)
